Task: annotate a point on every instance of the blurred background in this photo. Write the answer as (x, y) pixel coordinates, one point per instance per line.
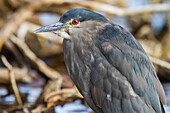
(33, 76)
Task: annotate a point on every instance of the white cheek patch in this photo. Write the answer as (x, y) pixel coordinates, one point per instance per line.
(62, 34)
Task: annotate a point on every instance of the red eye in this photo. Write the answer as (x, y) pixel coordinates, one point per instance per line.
(75, 22)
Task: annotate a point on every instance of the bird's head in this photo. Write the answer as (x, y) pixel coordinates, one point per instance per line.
(74, 21)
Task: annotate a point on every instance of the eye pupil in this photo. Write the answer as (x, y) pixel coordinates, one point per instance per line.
(75, 22)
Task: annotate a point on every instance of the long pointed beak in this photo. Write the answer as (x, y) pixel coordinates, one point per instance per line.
(51, 27)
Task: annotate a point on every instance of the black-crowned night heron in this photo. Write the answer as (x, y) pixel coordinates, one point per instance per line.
(107, 64)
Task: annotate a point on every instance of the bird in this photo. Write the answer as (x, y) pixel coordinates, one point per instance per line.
(107, 64)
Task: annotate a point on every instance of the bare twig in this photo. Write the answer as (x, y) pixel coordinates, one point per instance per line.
(12, 78)
(160, 62)
(25, 12)
(69, 93)
(10, 46)
(20, 75)
(21, 15)
(51, 36)
(45, 49)
(64, 95)
(125, 11)
(11, 25)
(49, 72)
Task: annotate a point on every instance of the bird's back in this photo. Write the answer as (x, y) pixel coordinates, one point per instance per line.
(113, 73)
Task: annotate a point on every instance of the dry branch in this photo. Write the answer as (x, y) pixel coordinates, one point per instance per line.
(44, 49)
(25, 12)
(11, 47)
(49, 72)
(160, 62)
(126, 11)
(51, 36)
(63, 96)
(20, 75)
(152, 47)
(20, 16)
(12, 79)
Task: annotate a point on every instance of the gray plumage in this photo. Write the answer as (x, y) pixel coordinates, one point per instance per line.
(109, 66)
